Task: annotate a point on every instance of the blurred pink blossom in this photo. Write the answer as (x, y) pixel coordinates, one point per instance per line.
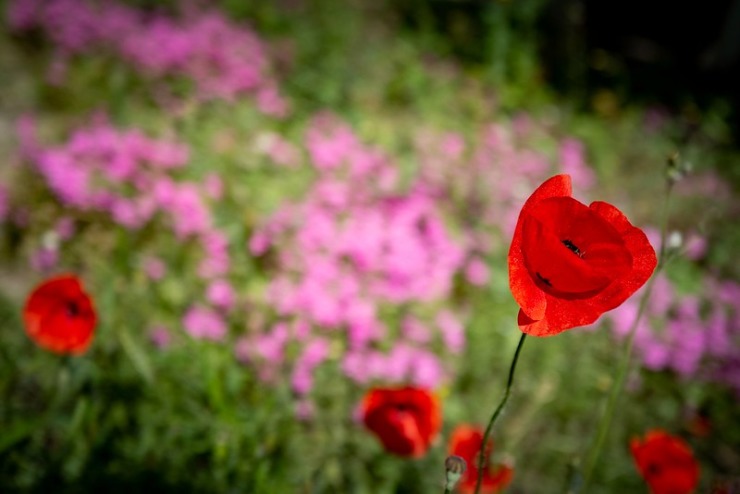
(414, 330)
(313, 354)
(223, 59)
(160, 337)
(453, 332)
(693, 342)
(213, 186)
(305, 409)
(65, 228)
(477, 272)
(155, 268)
(221, 294)
(695, 246)
(203, 323)
(573, 162)
(44, 259)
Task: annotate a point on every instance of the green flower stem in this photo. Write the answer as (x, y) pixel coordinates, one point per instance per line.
(618, 385)
(482, 457)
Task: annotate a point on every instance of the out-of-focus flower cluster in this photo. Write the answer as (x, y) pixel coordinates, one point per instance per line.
(123, 173)
(491, 177)
(353, 249)
(131, 178)
(695, 335)
(361, 259)
(224, 60)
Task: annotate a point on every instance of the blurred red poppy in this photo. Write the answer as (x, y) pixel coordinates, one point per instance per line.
(666, 463)
(59, 316)
(406, 420)
(569, 263)
(466, 443)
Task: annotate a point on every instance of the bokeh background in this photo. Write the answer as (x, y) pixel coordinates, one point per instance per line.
(279, 205)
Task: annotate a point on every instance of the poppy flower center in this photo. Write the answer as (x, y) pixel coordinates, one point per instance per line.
(72, 309)
(652, 470)
(569, 250)
(573, 248)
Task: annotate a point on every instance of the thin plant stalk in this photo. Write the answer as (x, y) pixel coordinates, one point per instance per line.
(482, 457)
(618, 384)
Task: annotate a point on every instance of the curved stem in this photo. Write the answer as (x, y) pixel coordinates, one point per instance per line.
(618, 384)
(482, 457)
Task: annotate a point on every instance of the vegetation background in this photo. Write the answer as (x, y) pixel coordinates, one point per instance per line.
(464, 107)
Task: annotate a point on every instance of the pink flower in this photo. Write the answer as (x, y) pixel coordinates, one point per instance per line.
(453, 145)
(213, 186)
(65, 228)
(217, 260)
(573, 163)
(271, 346)
(243, 350)
(305, 410)
(354, 367)
(203, 323)
(155, 268)
(414, 330)
(259, 243)
(314, 353)
(188, 211)
(44, 259)
(160, 336)
(477, 272)
(695, 247)
(453, 333)
(221, 294)
(427, 370)
(223, 60)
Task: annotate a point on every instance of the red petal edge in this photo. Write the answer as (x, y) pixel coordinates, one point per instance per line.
(526, 293)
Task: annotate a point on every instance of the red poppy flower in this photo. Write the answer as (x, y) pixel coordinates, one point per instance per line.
(406, 420)
(59, 316)
(666, 463)
(569, 263)
(466, 443)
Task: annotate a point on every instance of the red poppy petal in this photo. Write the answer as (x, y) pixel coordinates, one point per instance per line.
(557, 186)
(398, 432)
(643, 255)
(572, 247)
(644, 259)
(526, 293)
(534, 327)
(466, 443)
(63, 334)
(554, 265)
(50, 295)
(497, 481)
(405, 420)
